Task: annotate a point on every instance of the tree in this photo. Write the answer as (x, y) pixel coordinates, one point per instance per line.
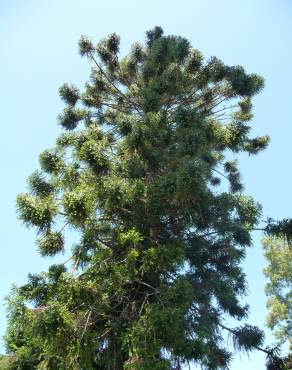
(279, 288)
(288, 362)
(5, 362)
(142, 173)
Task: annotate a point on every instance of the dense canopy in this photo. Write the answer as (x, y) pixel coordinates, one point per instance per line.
(145, 173)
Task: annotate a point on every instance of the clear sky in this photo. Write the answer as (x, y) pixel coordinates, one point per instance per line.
(38, 41)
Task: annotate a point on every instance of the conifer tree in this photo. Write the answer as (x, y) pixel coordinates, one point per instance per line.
(143, 172)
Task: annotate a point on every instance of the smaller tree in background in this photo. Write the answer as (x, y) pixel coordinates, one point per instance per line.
(279, 289)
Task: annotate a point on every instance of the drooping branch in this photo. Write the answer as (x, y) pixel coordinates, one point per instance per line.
(273, 360)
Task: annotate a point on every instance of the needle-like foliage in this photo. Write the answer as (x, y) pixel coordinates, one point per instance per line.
(144, 171)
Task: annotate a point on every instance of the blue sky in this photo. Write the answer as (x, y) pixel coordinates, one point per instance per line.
(39, 52)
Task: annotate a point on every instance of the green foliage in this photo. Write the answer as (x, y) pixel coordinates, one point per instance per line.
(6, 361)
(85, 46)
(247, 337)
(77, 205)
(38, 185)
(36, 211)
(280, 229)
(157, 267)
(279, 287)
(50, 162)
(288, 362)
(51, 243)
(70, 117)
(69, 93)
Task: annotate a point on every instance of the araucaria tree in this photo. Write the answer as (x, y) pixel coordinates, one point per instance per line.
(143, 173)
